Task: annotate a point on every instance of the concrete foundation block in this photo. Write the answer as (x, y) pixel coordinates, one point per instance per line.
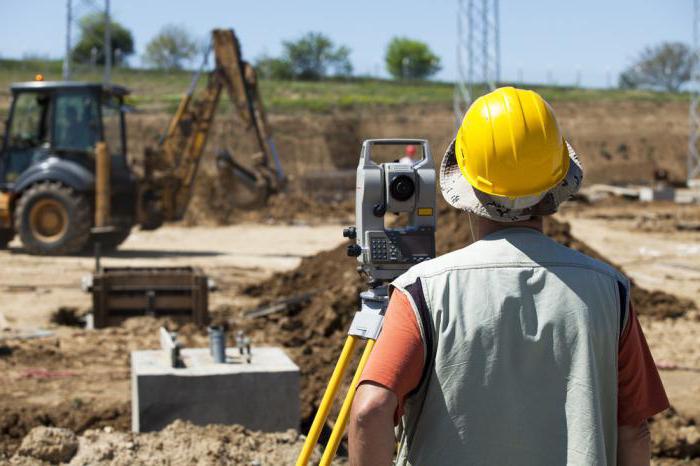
(262, 395)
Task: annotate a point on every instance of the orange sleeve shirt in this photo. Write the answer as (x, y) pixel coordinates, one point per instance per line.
(398, 358)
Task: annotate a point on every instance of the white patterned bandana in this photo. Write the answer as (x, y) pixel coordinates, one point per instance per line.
(459, 193)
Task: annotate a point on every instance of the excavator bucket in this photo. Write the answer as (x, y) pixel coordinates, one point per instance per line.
(245, 188)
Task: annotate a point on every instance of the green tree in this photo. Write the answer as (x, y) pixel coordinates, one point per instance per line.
(274, 68)
(92, 36)
(665, 66)
(170, 48)
(410, 59)
(311, 56)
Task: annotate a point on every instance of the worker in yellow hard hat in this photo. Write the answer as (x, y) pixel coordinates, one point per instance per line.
(514, 350)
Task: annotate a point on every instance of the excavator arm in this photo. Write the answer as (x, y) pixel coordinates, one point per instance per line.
(170, 169)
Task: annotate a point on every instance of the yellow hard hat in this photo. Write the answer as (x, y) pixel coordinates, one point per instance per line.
(510, 144)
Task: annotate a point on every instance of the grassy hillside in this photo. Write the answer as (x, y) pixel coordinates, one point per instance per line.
(159, 90)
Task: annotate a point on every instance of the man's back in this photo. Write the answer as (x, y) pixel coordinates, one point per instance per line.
(514, 350)
(524, 337)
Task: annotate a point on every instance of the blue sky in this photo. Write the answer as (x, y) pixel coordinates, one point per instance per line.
(540, 39)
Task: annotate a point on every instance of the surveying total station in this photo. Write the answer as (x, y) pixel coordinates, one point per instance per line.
(384, 252)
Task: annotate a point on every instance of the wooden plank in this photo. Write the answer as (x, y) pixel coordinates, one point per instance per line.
(200, 301)
(146, 281)
(161, 303)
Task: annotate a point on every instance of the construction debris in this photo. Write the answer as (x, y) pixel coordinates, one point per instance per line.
(279, 306)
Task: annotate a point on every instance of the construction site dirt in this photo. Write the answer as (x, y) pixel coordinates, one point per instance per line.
(78, 379)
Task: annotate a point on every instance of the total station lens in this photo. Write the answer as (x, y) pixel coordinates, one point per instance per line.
(402, 188)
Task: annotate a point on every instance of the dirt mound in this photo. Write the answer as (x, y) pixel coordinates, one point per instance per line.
(17, 420)
(210, 206)
(179, 443)
(50, 444)
(312, 333)
(675, 440)
(675, 436)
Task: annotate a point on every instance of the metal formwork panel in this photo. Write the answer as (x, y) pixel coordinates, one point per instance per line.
(122, 292)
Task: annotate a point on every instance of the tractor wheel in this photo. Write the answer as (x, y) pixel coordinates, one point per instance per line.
(52, 219)
(6, 236)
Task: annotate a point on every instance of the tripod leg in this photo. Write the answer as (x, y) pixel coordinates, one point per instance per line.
(327, 400)
(342, 421)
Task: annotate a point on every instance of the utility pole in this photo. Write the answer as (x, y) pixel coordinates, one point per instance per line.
(478, 52)
(693, 113)
(497, 39)
(66, 57)
(108, 46)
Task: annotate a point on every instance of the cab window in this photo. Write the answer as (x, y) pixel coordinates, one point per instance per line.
(28, 135)
(29, 118)
(76, 122)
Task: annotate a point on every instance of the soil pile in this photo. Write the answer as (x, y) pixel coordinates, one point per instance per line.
(17, 419)
(312, 333)
(179, 443)
(210, 206)
(50, 444)
(674, 436)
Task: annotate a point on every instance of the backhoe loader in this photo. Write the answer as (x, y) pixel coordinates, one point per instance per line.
(65, 182)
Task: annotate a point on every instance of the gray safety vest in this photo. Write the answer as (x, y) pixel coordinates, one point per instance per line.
(521, 339)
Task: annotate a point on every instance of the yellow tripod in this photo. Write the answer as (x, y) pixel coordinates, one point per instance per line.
(366, 325)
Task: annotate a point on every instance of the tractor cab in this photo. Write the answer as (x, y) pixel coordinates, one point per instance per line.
(47, 164)
(60, 119)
